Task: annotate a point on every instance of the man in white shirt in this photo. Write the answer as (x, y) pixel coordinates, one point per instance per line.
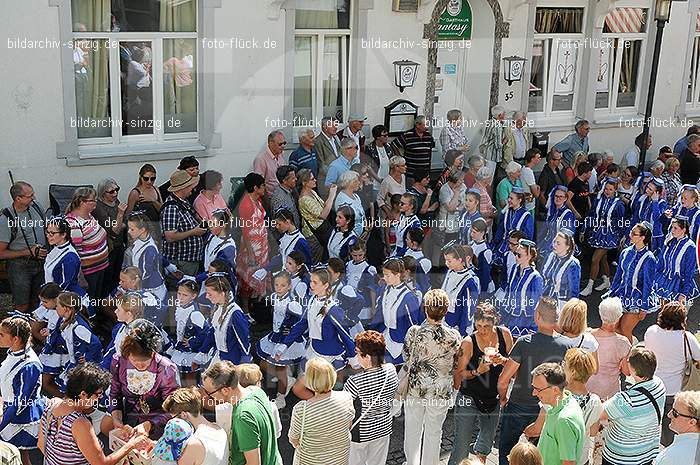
(685, 422)
(631, 157)
(527, 178)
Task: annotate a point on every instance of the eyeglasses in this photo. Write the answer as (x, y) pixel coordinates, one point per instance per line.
(89, 200)
(540, 389)
(677, 414)
(148, 178)
(282, 144)
(115, 190)
(52, 233)
(211, 394)
(513, 244)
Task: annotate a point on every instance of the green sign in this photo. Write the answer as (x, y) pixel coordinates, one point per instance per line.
(456, 21)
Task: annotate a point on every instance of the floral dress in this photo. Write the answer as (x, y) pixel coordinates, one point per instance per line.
(254, 253)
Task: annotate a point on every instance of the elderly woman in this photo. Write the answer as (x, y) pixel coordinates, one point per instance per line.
(504, 188)
(430, 353)
(452, 202)
(474, 164)
(314, 212)
(612, 350)
(348, 185)
(141, 380)
(378, 153)
(210, 199)
(483, 181)
(320, 427)
(89, 239)
(454, 162)
(395, 183)
(66, 434)
(672, 181)
(673, 347)
(109, 213)
(452, 135)
(657, 168)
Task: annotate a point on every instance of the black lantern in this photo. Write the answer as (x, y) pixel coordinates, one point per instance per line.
(405, 72)
(513, 67)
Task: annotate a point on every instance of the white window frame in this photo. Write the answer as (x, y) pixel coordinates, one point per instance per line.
(549, 115)
(694, 105)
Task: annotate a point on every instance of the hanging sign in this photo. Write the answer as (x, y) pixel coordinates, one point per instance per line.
(456, 21)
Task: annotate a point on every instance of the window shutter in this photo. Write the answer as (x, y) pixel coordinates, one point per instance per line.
(406, 6)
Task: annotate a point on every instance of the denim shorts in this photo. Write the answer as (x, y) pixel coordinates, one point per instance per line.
(25, 275)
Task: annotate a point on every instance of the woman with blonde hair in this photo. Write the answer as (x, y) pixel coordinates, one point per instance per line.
(573, 323)
(320, 427)
(525, 453)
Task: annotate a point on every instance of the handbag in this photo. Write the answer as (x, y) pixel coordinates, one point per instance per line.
(322, 233)
(403, 378)
(691, 373)
(297, 456)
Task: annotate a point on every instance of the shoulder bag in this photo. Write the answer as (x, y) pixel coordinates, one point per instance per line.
(297, 455)
(691, 373)
(403, 377)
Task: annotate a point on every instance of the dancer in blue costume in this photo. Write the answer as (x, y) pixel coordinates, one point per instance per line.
(221, 246)
(650, 207)
(561, 270)
(291, 239)
(515, 218)
(688, 205)
(408, 220)
(343, 236)
(525, 287)
(483, 256)
(559, 216)
(462, 286)
(471, 214)
(415, 240)
(677, 265)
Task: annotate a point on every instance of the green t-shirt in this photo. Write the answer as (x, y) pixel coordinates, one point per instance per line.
(564, 432)
(252, 427)
(504, 189)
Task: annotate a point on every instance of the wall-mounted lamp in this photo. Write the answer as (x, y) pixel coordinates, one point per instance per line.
(405, 72)
(513, 68)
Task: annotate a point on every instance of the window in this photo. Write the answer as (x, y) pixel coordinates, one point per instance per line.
(693, 91)
(321, 57)
(135, 64)
(555, 61)
(620, 59)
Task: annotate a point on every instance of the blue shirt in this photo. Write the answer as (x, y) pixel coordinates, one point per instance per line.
(571, 144)
(301, 158)
(339, 166)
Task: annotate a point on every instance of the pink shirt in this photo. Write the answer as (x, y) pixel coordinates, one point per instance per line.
(266, 164)
(612, 348)
(206, 207)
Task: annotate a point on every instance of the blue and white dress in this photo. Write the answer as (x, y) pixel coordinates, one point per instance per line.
(465, 225)
(398, 308)
(229, 335)
(606, 223)
(513, 220)
(339, 244)
(287, 312)
(525, 287)
(693, 215)
(62, 266)
(676, 270)
(634, 281)
(154, 309)
(556, 220)
(290, 242)
(651, 211)
(405, 224)
(352, 304)
(23, 405)
(562, 277)
(424, 265)
(327, 338)
(484, 259)
(148, 259)
(119, 331)
(74, 341)
(193, 328)
(300, 287)
(363, 277)
(224, 249)
(463, 289)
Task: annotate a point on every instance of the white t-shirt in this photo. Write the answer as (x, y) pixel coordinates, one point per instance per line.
(667, 345)
(527, 179)
(449, 222)
(585, 341)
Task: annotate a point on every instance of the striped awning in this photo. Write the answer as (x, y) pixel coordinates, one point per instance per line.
(626, 20)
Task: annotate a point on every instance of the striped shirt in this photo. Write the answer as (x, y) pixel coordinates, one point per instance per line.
(325, 435)
(417, 150)
(366, 387)
(633, 434)
(59, 445)
(300, 159)
(90, 241)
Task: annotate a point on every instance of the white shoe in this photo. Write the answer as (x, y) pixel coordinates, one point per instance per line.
(290, 383)
(605, 285)
(280, 402)
(588, 289)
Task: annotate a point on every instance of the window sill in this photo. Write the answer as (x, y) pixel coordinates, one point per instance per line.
(552, 124)
(110, 154)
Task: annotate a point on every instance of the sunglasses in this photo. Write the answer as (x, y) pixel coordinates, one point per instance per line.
(52, 233)
(148, 178)
(282, 144)
(677, 414)
(115, 190)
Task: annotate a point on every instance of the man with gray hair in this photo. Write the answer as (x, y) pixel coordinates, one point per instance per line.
(327, 146)
(269, 159)
(305, 156)
(23, 245)
(349, 156)
(517, 138)
(505, 187)
(690, 161)
(573, 143)
(685, 422)
(416, 146)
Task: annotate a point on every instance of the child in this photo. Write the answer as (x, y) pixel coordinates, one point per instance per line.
(350, 302)
(414, 239)
(169, 447)
(462, 286)
(409, 276)
(470, 214)
(299, 274)
(129, 307)
(287, 312)
(220, 246)
(191, 333)
(408, 220)
(392, 223)
(154, 309)
(343, 236)
(362, 276)
(249, 374)
(72, 337)
(291, 239)
(20, 386)
(229, 335)
(482, 255)
(45, 316)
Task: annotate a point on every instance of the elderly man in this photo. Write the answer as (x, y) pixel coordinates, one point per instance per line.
(608, 158)
(327, 146)
(564, 431)
(682, 143)
(305, 156)
(182, 230)
(690, 161)
(631, 157)
(685, 422)
(191, 165)
(575, 142)
(354, 132)
(269, 159)
(340, 165)
(416, 147)
(517, 139)
(23, 245)
(504, 188)
(474, 164)
(283, 197)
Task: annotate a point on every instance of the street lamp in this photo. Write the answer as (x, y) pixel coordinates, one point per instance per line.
(662, 13)
(405, 72)
(513, 68)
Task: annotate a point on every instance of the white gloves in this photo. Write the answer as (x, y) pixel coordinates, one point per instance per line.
(260, 274)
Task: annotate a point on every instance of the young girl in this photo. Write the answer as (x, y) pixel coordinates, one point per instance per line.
(292, 239)
(130, 280)
(649, 207)
(409, 275)
(462, 286)
(20, 387)
(45, 316)
(471, 214)
(407, 222)
(350, 302)
(414, 239)
(627, 186)
(287, 312)
(688, 206)
(343, 236)
(147, 258)
(299, 275)
(129, 307)
(604, 226)
(362, 276)
(562, 271)
(482, 255)
(392, 221)
(168, 449)
(72, 337)
(525, 286)
(558, 216)
(221, 246)
(515, 218)
(397, 310)
(634, 280)
(677, 265)
(191, 333)
(230, 332)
